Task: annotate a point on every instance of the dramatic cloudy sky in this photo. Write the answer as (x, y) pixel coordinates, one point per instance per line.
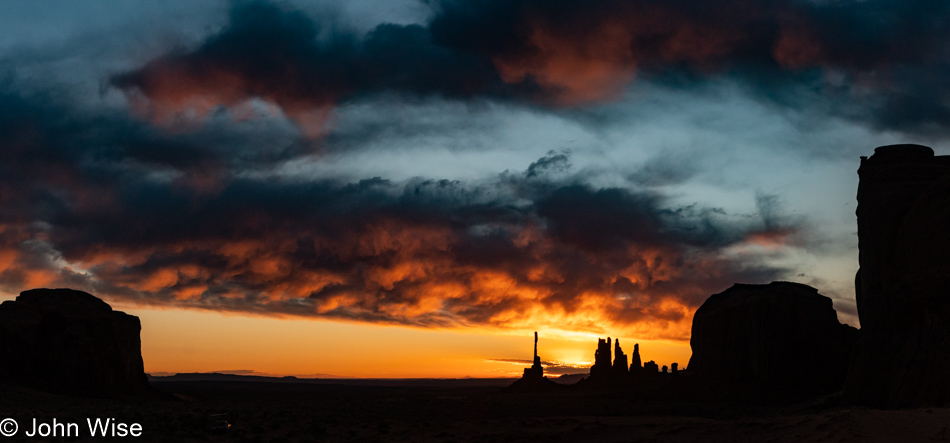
(439, 167)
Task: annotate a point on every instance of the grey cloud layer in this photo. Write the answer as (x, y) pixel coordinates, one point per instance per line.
(108, 203)
(879, 62)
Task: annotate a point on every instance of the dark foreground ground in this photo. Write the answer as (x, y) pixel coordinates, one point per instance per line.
(461, 411)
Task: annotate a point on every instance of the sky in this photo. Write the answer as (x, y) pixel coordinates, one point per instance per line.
(409, 188)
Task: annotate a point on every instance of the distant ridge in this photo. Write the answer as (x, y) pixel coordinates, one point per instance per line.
(397, 382)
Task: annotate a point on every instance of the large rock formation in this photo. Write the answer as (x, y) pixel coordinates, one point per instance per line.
(635, 365)
(620, 360)
(67, 341)
(534, 379)
(903, 356)
(781, 338)
(602, 366)
(622, 373)
(651, 368)
(536, 371)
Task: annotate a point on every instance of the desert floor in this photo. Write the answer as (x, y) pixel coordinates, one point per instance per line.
(463, 411)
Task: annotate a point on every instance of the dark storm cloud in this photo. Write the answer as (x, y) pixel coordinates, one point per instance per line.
(878, 61)
(108, 204)
(287, 59)
(552, 163)
(48, 138)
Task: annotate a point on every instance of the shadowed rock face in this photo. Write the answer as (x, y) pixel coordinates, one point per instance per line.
(781, 338)
(67, 341)
(903, 356)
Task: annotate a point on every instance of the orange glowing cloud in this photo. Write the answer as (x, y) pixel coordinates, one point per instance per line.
(404, 274)
(519, 252)
(772, 239)
(181, 92)
(591, 59)
(596, 67)
(18, 268)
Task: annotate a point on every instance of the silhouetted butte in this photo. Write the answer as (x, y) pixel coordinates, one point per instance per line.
(68, 341)
(903, 283)
(781, 340)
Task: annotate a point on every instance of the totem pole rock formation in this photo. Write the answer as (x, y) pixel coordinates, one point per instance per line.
(68, 341)
(602, 366)
(535, 371)
(620, 359)
(618, 375)
(533, 379)
(635, 365)
(772, 337)
(903, 355)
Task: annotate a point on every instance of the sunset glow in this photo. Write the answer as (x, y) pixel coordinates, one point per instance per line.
(196, 341)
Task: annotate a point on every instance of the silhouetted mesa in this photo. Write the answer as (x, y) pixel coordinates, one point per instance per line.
(781, 339)
(903, 356)
(68, 341)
